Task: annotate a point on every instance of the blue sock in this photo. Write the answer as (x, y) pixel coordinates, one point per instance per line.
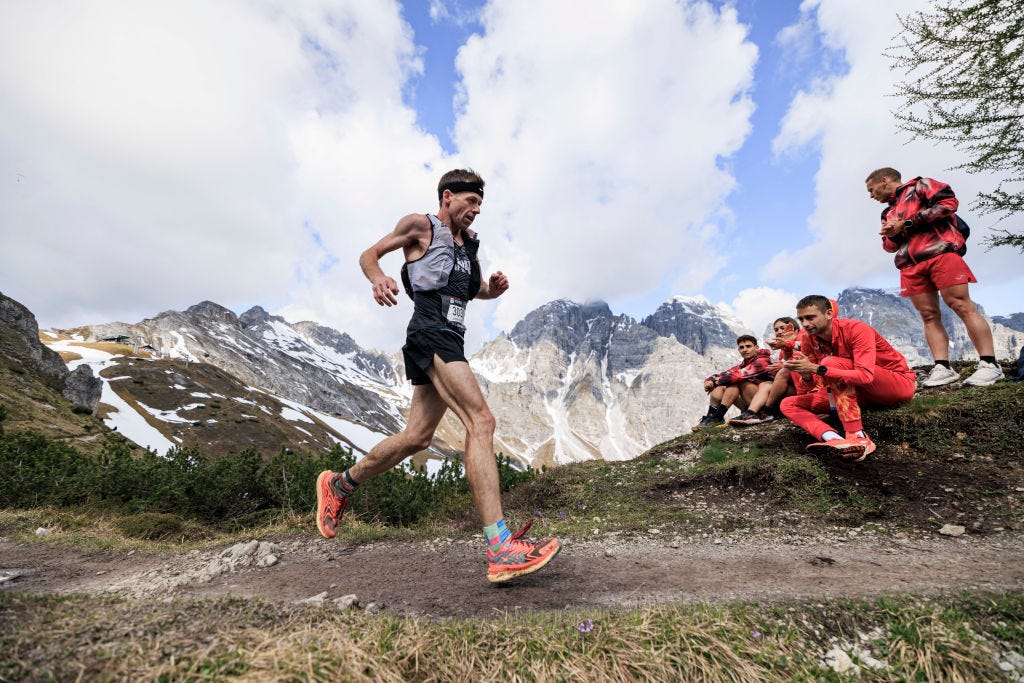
(496, 534)
(344, 484)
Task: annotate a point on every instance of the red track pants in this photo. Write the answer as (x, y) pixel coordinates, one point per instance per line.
(886, 389)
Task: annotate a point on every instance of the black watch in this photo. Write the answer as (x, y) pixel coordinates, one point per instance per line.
(908, 224)
(821, 370)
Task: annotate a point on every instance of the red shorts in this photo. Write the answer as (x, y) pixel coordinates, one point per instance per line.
(935, 274)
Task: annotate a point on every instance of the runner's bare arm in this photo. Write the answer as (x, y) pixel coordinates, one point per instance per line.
(495, 286)
(412, 235)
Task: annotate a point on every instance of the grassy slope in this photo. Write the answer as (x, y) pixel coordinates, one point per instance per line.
(951, 456)
(32, 404)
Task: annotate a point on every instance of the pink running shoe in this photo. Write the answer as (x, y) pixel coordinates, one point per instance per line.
(330, 503)
(517, 557)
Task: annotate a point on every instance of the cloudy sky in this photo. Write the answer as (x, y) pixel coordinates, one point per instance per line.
(154, 155)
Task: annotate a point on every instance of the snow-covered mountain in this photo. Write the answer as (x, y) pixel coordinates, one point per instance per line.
(570, 382)
(574, 382)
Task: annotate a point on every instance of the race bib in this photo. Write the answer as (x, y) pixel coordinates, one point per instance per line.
(454, 311)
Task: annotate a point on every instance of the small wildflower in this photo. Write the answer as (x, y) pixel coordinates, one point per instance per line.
(585, 626)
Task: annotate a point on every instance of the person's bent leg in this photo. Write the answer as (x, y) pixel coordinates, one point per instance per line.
(802, 410)
(333, 488)
(757, 396)
(425, 414)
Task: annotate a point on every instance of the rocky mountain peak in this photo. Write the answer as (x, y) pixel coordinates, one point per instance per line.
(255, 316)
(696, 323)
(208, 310)
(563, 322)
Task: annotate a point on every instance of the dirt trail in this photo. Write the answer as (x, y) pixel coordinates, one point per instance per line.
(445, 578)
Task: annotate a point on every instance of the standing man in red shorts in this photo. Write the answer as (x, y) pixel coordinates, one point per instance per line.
(857, 366)
(919, 226)
(441, 274)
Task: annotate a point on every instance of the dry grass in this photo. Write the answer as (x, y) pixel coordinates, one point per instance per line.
(948, 639)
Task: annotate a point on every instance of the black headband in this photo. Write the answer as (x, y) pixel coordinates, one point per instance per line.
(459, 186)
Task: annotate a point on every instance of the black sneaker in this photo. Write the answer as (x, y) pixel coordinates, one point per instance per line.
(708, 422)
(745, 419)
(702, 424)
(765, 415)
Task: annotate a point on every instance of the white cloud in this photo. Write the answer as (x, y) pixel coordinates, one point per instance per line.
(848, 118)
(227, 151)
(601, 142)
(247, 152)
(758, 307)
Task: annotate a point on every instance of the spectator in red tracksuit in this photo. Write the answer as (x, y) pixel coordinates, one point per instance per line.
(858, 367)
(919, 226)
(739, 384)
(763, 407)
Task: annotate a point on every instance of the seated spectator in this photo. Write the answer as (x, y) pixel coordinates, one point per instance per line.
(858, 367)
(763, 407)
(739, 384)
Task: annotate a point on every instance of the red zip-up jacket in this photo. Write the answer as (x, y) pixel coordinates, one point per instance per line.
(753, 370)
(931, 207)
(862, 344)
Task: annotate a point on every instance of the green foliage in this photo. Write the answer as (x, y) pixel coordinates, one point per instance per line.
(37, 471)
(151, 526)
(3, 412)
(964, 62)
(286, 478)
(404, 495)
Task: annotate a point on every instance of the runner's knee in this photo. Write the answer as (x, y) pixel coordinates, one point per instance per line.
(417, 440)
(481, 423)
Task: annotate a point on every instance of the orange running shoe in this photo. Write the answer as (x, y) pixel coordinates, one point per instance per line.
(853, 449)
(330, 503)
(517, 557)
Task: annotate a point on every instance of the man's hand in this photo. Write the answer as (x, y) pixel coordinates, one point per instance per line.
(892, 227)
(800, 363)
(497, 284)
(384, 291)
(709, 384)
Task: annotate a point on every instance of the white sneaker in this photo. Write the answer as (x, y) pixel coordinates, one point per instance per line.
(986, 374)
(940, 375)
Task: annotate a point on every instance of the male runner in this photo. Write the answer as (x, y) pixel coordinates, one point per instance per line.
(441, 273)
(857, 366)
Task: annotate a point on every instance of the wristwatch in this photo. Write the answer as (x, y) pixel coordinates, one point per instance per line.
(822, 369)
(908, 224)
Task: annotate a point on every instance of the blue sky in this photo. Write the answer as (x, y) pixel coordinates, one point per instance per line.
(246, 152)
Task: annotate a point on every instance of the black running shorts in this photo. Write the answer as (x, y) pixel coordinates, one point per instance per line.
(420, 347)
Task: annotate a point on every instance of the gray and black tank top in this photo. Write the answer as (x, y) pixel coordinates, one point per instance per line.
(442, 280)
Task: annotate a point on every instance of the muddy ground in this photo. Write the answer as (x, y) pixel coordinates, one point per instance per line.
(445, 578)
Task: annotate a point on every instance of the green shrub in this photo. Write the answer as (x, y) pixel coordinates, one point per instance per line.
(151, 526)
(37, 471)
